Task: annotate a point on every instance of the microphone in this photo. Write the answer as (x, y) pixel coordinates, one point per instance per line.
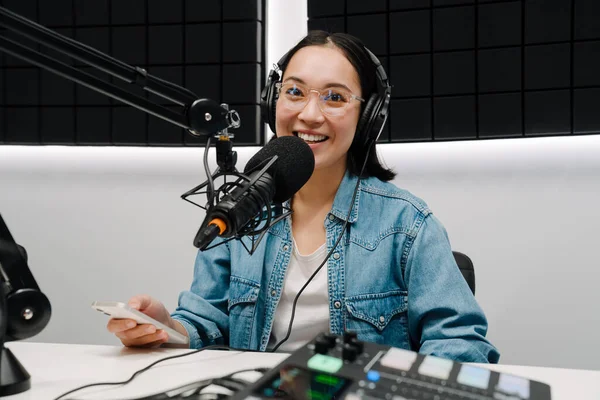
(237, 212)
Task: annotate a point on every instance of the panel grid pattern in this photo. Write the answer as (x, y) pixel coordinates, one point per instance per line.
(215, 48)
(479, 69)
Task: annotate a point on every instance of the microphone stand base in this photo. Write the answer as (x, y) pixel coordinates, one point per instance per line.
(14, 378)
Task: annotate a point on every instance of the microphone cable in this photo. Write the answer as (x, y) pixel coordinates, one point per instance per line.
(289, 331)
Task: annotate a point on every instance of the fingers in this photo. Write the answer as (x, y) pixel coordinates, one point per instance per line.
(145, 340)
(119, 325)
(140, 302)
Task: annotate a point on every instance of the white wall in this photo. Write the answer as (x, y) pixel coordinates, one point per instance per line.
(107, 223)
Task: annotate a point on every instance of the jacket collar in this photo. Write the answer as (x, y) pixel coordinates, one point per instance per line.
(341, 203)
(343, 197)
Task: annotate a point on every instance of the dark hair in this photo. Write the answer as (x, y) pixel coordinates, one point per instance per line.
(355, 51)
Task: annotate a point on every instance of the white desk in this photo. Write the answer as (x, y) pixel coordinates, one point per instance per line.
(58, 368)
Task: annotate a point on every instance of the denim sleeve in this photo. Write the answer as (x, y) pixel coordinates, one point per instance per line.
(202, 310)
(444, 318)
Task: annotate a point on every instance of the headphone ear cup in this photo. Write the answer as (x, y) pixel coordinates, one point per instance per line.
(273, 110)
(268, 99)
(364, 123)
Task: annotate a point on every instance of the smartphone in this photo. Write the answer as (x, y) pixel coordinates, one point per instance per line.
(116, 309)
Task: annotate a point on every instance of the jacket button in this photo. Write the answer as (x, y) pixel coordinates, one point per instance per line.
(336, 256)
(382, 319)
(286, 247)
(337, 304)
(273, 292)
(331, 217)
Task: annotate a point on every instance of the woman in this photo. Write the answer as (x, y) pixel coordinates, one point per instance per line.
(391, 278)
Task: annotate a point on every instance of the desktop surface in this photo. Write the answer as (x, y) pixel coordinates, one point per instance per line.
(58, 368)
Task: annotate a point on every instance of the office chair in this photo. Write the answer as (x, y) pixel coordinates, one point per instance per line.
(466, 268)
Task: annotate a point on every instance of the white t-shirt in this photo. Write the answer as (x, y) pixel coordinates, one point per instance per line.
(312, 308)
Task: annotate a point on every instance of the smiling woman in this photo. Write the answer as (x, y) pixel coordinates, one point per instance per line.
(391, 277)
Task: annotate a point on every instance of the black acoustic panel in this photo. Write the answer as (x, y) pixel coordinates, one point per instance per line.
(56, 90)
(2, 129)
(586, 63)
(201, 11)
(320, 8)
(204, 81)
(586, 119)
(56, 13)
(454, 118)
(160, 11)
(587, 15)
(411, 75)
(163, 133)
(371, 29)
(410, 31)
(27, 9)
(242, 42)
(97, 38)
(547, 66)
(129, 44)
(547, 20)
(129, 126)
(241, 83)
(67, 32)
(410, 120)
(128, 12)
(172, 74)
(437, 3)
(334, 24)
(165, 44)
(499, 69)
(250, 131)
(499, 24)
(57, 125)
(22, 125)
(12, 61)
(500, 115)
(203, 43)
(361, 6)
(22, 86)
(242, 9)
(454, 28)
(454, 73)
(91, 12)
(547, 113)
(89, 97)
(409, 4)
(92, 125)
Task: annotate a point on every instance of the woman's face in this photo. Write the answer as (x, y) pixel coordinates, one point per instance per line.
(329, 136)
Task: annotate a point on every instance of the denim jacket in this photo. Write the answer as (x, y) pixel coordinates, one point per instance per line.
(392, 279)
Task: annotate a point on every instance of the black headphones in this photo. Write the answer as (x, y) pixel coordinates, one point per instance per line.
(372, 119)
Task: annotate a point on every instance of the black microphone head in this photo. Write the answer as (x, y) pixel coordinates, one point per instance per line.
(294, 166)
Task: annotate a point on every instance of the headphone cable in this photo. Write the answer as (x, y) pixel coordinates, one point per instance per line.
(289, 331)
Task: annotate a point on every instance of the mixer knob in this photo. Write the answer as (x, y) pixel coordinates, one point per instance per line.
(322, 345)
(349, 352)
(349, 336)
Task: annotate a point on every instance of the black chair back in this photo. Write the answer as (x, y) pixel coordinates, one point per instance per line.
(465, 265)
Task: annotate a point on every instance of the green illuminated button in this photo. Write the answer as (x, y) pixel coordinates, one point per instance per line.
(325, 363)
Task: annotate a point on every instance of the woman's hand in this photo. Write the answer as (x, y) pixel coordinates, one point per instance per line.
(144, 335)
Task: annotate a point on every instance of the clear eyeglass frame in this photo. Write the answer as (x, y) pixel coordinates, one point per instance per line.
(330, 108)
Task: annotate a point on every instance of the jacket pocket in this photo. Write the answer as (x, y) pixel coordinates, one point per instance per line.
(380, 317)
(241, 306)
(243, 294)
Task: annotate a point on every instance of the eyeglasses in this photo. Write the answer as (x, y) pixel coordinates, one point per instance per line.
(332, 101)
